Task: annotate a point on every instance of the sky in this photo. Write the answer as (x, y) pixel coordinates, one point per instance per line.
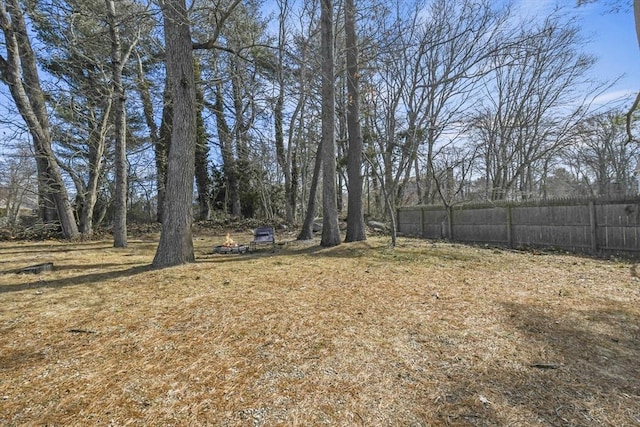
(611, 39)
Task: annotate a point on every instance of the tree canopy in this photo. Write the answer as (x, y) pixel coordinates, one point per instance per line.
(301, 110)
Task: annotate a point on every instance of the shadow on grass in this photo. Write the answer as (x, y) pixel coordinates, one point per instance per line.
(39, 247)
(353, 250)
(68, 267)
(281, 249)
(86, 279)
(590, 373)
(285, 250)
(52, 248)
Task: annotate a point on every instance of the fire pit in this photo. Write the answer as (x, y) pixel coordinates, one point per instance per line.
(237, 249)
(230, 247)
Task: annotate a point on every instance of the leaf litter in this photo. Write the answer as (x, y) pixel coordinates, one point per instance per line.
(428, 333)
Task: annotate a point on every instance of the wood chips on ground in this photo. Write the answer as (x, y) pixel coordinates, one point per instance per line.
(426, 334)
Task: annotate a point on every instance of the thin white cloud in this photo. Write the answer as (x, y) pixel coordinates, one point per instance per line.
(539, 9)
(534, 8)
(616, 96)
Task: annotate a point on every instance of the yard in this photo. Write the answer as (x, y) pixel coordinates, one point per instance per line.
(427, 334)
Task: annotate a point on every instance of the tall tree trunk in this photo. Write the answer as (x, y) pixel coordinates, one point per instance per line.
(159, 138)
(341, 145)
(46, 203)
(97, 142)
(241, 162)
(176, 241)
(226, 150)
(636, 16)
(284, 158)
(307, 227)
(330, 230)
(293, 196)
(19, 70)
(203, 179)
(355, 215)
(162, 148)
(117, 65)
(418, 176)
(299, 117)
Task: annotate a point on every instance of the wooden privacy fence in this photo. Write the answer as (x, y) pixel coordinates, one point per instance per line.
(588, 226)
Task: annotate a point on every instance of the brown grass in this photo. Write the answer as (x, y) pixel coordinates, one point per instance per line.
(426, 334)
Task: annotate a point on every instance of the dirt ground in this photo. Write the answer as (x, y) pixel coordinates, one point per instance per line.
(426, 334)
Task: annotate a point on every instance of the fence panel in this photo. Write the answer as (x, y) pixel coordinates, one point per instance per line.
(409, 221)
(566, 227)
(618, 226)
(486, 225)
(435, 223)
(588, 226)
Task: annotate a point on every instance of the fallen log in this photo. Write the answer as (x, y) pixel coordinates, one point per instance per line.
(36, 269)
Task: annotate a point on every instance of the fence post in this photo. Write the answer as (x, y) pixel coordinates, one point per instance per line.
(509, 231)
(594, 226)
(421, 221)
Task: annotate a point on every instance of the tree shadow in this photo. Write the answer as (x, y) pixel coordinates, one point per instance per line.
(73, 267)
(57, 248)
(579, 369)
(86, 279)
(40, 247)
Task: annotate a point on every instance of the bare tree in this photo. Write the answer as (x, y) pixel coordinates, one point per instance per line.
(18, 184)
(446, 67)
(532, 105)
(176, 242)
(118, 62)
(307, 134)
(601, 158)
(20, 72)
(431, 62)
(284, 156)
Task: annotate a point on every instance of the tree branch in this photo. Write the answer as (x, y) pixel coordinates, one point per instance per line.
(212, 42)
(211, 45)
(4, 67)
(630, 117)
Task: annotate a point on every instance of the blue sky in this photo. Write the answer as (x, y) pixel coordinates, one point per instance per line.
(612, 39)
(616, 46)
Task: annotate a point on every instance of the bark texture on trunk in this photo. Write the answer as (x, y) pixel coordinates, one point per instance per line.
(176, 242)
(117, 65)
(330, 229)
(355, 215)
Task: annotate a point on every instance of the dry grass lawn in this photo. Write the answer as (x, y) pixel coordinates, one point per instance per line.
(426, 334)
